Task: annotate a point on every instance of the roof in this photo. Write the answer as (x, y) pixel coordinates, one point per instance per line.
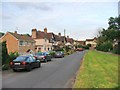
(41, 35)
(22, 37)
(70, 40)
(91, 39)
(81, 42)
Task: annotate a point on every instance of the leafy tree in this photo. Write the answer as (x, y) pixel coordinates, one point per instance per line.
(111, 34)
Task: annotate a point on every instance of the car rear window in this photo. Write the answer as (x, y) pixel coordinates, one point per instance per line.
(20, 58)
(39, 53)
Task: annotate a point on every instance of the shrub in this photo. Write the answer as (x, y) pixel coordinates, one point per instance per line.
(13, 55)
(116, 49)
(5, 67)
(106, 47)
(52, 54)
(86, 47)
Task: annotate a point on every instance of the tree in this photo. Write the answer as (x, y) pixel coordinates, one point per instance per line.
(5, 55)
(111, 34)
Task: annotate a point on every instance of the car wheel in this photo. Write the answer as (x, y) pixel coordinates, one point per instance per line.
(29, 68)
(14, 70)
(39, 65)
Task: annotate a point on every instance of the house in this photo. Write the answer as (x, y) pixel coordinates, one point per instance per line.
(92, 42)
(20, 43)
(59, 41)
(70, 40)
(81, 43)
(44, 40)
(1, 34)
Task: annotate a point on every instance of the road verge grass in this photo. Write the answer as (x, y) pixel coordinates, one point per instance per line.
(98, 70)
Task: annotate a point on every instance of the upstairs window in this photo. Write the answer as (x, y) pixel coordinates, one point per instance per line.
(21, 43)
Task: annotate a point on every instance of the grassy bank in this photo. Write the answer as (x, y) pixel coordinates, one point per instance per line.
(98, 70)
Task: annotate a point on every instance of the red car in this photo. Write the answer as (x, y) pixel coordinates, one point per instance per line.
(79, 49)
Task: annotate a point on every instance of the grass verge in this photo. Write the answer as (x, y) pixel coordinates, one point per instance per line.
(98, 70)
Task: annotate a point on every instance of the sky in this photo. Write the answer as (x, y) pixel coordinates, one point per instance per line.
(81, 20)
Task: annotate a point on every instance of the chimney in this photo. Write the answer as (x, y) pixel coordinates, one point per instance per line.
(67, 36)
(45, 30)
(59, 34)
(34, 33)
(15, 32)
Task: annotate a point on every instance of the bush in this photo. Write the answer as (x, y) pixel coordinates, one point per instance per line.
(89, 45)
(106, 47)
(52, 54)
(12, 56)
(5, 67)
(86, 47)
(116, 49)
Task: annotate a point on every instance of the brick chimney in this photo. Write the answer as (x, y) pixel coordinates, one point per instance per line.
(34, 33)
(15, 32)
(67, 37)
(45, 30)
(59, 34)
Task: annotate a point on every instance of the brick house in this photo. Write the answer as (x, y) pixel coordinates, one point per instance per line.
(44, 40)
(20, 43)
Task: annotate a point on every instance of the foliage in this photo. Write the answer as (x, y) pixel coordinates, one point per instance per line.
(106, 46)
(89, 45)
(98, 70)
(5, 67)
(84, 47)
(4, 52)
(52, 54)
(109, 36)
(13, 55)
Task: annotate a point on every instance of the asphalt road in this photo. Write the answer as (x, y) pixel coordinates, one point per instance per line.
(54, 74)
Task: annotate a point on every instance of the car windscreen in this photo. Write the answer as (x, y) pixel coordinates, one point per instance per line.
(21, 58)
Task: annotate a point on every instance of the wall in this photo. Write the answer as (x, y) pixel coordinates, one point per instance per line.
(11, 41)
(41, 44)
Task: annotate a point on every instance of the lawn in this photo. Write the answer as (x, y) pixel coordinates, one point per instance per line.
(98, 70)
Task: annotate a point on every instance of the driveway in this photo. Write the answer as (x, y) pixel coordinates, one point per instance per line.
(54, 74)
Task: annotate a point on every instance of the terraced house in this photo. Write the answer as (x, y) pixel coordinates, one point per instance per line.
(20, 43)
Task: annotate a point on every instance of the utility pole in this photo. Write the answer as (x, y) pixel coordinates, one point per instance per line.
(64, 32)
(64, 35)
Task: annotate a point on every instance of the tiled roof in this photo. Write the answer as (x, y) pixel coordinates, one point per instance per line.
(41, 35)
(91, 39)
(70, 40)
(22, 37)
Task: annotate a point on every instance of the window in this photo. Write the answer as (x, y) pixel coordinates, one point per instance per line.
(45, 40)
(21, 43)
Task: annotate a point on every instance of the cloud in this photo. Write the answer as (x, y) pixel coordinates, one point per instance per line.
(29, 5)
(60, 0)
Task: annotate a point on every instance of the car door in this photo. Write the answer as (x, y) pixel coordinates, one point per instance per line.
(32, 62)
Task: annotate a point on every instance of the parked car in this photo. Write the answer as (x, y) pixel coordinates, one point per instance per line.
(25, 62)
(43, 56)
(79, 49)
(59, 54)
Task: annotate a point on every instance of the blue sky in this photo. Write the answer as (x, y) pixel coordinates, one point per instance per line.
(81, 20)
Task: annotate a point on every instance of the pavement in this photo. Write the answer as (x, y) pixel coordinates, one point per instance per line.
(54, 74)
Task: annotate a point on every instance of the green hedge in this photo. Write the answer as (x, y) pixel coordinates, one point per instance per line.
(106, 47)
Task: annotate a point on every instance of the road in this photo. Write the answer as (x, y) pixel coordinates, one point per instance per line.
(54, 74)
